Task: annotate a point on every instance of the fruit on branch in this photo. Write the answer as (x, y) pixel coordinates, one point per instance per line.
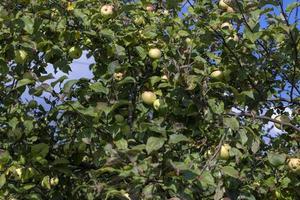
(139, 20)
(54, 181)
(281, 118)
(294, 164)
(154, 53)
(189, 41)
(150, 8)
(157, 104)
(224, 151)
(75, 52)
(235, 38)
(223, 5)
(227, 25)
(148, 97)
(107, 10)
(164, 77)
(118, 76)
(21, 56)
(217, 75)
(230, 9)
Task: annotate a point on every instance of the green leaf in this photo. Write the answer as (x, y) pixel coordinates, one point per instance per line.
(141, 51)
(230, 171)
(41, 149)
(154, 144)
(99, 88)
(24, 82)
(28, 22)
(68, 85)
(176, 138)
(206, 179)
(231, 123)
(276, 159)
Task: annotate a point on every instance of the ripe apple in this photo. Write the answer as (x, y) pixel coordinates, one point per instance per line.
(139, 20)
(150, 8)
(227, 25)
(224, 152)
(75, 52)
(118, 76)
(188, 41)
(217, 74)
(164, 77)
(54, 181)
(154, 53)
(21, 56)
(156, 104)
(223, 5)
(107, 10)
(166, 13)
(148, 97)
(230, 9)
(281, 118)
(235, 38)
(294, 165)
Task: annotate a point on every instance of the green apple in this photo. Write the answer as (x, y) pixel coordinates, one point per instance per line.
(294, 165)
(148, 97)
(118, 76)
(46, 182)
(223, 5)
(224, 152)
(54, 181)
(21, 56)
(75, 52)
(281, 118)
(139, 20)
(119, 118)
(157, 104)
(217, 74)
(107, 10)
(188, 41)
(227, 25)
(154, 53)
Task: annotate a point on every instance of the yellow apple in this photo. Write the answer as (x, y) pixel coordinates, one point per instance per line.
(217, 74)
(188, 41)
(154, 53)
(227, 25)
(107, 10)
(230, 9)
(223, 5)
(148, 97)
(54, 181)
(75, 52)
(21, 56)
(235, 38)
(224, 152)
(164, 77)
(281, 118)
(139, 20)
(150, 8)
(294, 165)
(118, 76)
(156, 104)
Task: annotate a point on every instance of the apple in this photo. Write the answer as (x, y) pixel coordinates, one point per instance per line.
(119, 118)
(118, 76)
(229, 2)
(21, 56)
(154, 53)
(150, 8)
(226, 25)
(75, 52)
(54, 181)
(157, 104)
(217, 74)
(294, 165)
(223, 5)
(166, 13)
(188, 41)
(139, 20)
(164, 77)
(224, 152)
(235, 38)
(107, 10)
(230, 9)
(148, 97)
(46, 182)
(281, 118)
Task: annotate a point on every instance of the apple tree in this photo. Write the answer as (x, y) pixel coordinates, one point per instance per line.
(188, 100)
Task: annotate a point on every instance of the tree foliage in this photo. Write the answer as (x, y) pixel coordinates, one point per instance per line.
(222, 76)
